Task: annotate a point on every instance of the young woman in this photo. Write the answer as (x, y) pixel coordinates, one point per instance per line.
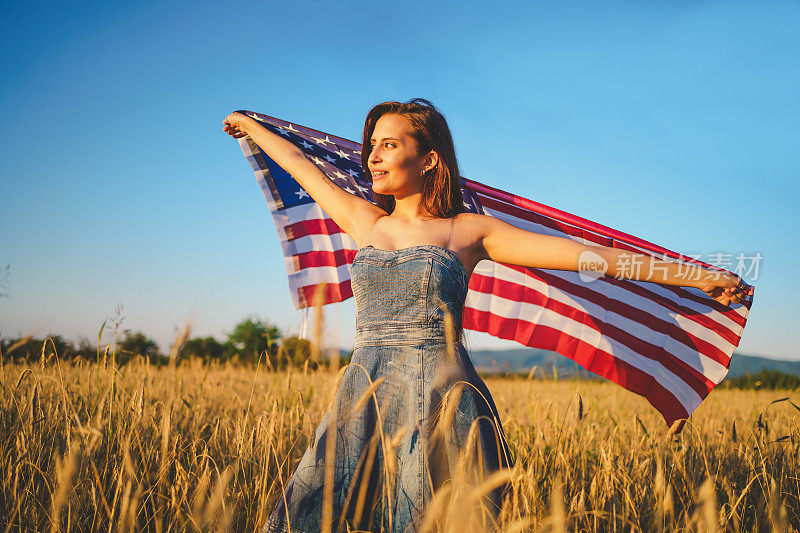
(396, 446)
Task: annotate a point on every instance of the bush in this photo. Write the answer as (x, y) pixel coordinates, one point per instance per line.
(250, 337)
(766, 379)
(207, 349)
(137, 343)
(31, 349)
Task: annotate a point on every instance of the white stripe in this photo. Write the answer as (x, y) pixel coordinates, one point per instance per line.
(321, 274)
(543, 316)
(318, 243)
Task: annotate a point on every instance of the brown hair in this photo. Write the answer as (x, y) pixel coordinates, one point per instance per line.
(441, 191)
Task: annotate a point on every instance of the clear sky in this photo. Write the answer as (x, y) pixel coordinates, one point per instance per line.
(674, 121)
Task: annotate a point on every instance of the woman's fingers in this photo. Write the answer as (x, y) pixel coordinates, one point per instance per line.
(232, 130)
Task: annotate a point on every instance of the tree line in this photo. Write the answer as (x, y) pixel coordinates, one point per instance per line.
(251, 341)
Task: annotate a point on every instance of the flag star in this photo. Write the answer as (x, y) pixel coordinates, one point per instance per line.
(290, 128)
(353, 173)
(342, 154)
(348, 189)
(253, 115)
(465, 204)
(322, 141)
(362, 189)
(307, 145)
(339, 174)
(316, 160)
(283, 132)
(301, 194)
(329, 158)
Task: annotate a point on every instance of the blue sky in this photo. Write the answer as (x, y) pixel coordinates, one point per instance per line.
(674, 121)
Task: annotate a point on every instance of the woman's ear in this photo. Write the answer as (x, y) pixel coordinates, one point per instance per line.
(431, 160)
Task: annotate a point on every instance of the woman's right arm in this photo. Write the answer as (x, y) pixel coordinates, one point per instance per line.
(353, 214)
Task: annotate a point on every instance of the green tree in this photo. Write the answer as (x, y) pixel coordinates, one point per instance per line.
(206, 348)
(136, 343)
(296, 350)
(251, 336)
(31, 349)
(86, 349)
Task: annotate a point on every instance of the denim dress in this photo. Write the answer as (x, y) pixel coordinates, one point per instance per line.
(392, 449)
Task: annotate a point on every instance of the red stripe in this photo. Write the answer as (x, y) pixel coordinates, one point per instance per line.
(592, 359)
(312, 226)
(693, 377)
(331, 292)
(322, 258)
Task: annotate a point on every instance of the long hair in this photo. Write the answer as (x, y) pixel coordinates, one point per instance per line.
(441, 190)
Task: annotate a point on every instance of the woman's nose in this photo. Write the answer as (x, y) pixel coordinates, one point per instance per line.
(375, 155)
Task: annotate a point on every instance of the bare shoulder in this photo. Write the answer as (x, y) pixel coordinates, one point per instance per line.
(472, 223)
(471, 228)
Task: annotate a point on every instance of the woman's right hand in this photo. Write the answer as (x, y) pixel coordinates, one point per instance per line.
(232, 125)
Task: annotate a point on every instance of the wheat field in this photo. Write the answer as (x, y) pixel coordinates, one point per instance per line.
(92, 446)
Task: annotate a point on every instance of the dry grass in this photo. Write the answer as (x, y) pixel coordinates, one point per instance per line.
(85, 445)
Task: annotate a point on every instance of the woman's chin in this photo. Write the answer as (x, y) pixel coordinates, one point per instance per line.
(379, 189)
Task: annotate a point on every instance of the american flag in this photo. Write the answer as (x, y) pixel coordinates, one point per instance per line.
(670, 344)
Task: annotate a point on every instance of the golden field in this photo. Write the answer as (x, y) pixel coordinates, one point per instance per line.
(89, 446)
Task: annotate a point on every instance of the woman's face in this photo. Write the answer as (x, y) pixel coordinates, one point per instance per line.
(394, 162)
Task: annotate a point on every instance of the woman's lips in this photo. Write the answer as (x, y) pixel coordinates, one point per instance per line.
(378, 175)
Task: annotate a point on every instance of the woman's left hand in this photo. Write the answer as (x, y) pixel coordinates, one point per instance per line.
(726, 288)
(232, 125)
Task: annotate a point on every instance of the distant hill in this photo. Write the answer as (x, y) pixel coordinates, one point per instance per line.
(523, 359)
(742, 365)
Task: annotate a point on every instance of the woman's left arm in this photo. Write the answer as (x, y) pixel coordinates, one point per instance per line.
(505, 243)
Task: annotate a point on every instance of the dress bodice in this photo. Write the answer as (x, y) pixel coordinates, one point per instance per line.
(401, 294)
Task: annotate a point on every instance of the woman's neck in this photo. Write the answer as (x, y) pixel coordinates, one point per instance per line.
(409, 208)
